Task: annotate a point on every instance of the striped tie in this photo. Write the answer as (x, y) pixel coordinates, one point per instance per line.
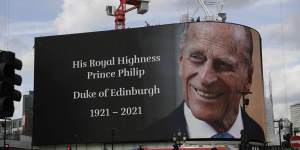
(222, 135)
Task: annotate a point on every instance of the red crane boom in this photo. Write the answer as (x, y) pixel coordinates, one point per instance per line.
(119, 13)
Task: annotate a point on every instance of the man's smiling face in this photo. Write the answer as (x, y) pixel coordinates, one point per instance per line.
(213, 72)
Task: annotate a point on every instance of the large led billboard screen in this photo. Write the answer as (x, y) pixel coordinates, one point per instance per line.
(145, 84)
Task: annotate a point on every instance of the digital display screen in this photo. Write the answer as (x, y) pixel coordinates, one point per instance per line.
(127, 85)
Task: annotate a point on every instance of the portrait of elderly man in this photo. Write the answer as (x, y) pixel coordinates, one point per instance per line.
(215, 66)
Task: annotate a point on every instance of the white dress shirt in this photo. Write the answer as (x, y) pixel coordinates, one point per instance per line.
(199, 129)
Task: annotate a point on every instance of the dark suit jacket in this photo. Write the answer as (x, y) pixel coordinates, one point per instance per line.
(169, 125)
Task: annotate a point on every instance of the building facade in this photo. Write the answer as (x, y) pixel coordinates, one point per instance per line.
(28, 114)
(295, 116)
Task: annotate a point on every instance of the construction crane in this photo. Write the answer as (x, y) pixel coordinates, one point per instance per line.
(119, 13)
(219, 16)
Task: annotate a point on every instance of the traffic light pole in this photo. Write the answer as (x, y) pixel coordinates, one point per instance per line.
(4, 135)
(280, 143)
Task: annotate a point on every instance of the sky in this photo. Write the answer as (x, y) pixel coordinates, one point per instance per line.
(276, 20)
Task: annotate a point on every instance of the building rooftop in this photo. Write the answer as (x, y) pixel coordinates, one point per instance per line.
(295, 104)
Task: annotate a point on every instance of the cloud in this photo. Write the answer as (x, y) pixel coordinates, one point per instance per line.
(3, 32)
(285, 89)
(17, 44)
(82, 16)
(192, 4)
(28, 61)
(270, 2)
(284, 34)
(284, 68)
(281, 111)
(20, 36)
(85, 16)
(32, 28)
(283, 57)
(281, 53)
(91, 15)
(286, 85)
(18, 109)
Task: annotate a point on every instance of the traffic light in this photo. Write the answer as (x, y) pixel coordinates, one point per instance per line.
(69, 147)
(6, 146)
(8, 78)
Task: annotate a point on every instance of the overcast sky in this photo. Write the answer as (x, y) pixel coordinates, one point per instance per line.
(276, 20)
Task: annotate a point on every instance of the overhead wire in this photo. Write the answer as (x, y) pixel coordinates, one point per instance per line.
(4, 25)
(283, 54)
(7, 25)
